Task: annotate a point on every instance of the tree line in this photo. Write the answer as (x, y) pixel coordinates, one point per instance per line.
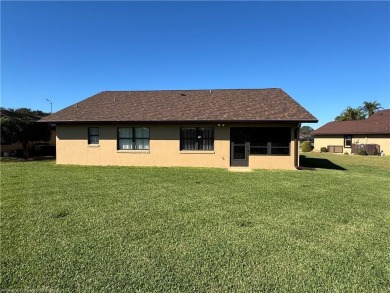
(348, 114)
(359, 113)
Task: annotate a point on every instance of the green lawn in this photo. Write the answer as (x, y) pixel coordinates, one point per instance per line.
(78, 228)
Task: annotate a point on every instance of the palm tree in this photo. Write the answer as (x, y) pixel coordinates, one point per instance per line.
(370, 108)
(351, 114)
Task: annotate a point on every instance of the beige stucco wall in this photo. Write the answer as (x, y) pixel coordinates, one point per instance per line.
(73, 148)
(324, 141)
(382, 140)
(272, 162)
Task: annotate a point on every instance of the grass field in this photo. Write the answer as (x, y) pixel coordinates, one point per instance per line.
(75, 228)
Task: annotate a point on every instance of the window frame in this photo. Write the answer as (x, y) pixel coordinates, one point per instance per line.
(133, 139)
(273, 147)
(90, 136)
(348, 137)
(269, 148)
(198, 139)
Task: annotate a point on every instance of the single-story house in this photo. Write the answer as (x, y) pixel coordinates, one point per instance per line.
(343, 136)
(253, 128)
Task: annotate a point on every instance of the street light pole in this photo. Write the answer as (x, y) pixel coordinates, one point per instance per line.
(51, 106)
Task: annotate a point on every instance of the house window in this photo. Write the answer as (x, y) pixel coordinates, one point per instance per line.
(133, 138)
(197, 138)
(348, 141)
(93, 135)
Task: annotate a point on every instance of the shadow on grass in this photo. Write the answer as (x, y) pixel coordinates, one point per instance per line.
(314, 163)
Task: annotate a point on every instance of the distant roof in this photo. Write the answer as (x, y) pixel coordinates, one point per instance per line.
(241, 105)
(378, 123)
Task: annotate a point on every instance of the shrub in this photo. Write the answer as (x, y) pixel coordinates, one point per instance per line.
(362, 152)
(324, 150)
(346, 153)
(306, 146)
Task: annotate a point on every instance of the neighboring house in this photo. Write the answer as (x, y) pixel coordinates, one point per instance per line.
(34, 147)
(341, 136)
(204, 128)
(12, 149)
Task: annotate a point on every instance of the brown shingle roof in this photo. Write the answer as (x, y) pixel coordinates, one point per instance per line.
(378, 123)
(185, 106)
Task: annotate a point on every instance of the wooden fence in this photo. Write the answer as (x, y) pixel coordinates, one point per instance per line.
(371, 149)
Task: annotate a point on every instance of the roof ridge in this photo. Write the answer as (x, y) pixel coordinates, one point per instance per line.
(179, 90)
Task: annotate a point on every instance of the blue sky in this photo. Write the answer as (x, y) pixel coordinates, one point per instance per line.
(326, 55)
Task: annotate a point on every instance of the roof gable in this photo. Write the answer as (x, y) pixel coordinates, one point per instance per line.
(185, 106)
(378, 123)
